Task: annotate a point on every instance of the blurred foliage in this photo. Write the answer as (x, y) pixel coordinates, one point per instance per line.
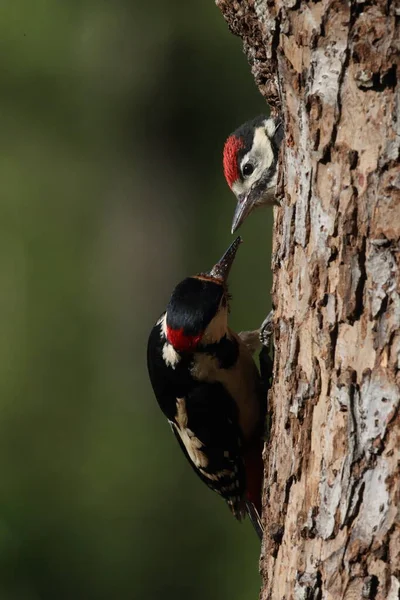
(113, 118)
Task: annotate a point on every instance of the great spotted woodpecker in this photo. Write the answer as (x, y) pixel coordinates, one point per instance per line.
(209, 388)
(250, 162)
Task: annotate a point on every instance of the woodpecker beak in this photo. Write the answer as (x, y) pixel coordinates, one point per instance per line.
(243, 208)
(221, 269)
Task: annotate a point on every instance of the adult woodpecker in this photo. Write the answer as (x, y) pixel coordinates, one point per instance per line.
(209, 388)
(250, 162)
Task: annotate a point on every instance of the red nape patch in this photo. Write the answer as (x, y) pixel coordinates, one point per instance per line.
(231, 169)
(182, 342)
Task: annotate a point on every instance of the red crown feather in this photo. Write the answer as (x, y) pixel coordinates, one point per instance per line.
(231, 169)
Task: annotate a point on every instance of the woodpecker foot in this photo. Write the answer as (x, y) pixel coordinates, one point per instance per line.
(266, 329)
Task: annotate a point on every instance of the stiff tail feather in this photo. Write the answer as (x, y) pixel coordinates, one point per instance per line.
(255, 518)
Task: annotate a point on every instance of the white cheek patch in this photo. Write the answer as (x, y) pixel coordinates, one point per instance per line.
(241, 187)
(262, 152)
(261, 156)
(217, 328)
(237, 187)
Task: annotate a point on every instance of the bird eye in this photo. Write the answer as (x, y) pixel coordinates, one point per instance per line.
(247, 169)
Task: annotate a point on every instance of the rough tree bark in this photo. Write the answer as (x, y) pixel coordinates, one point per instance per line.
(331, 499)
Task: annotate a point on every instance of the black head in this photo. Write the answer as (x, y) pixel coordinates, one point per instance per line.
(199, 304)
(193, 305)
(250, 164)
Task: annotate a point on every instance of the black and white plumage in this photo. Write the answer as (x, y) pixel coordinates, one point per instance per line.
(208, 386)
(250, 161)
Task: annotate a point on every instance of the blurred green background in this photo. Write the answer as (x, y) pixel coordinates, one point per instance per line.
(113, 116)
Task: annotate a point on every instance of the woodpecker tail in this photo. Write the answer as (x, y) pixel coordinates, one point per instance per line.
(255, 518)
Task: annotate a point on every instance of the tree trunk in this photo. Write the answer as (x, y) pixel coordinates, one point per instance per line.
(332, 493)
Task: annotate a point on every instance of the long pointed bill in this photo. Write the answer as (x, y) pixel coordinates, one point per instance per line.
(221, 269)
(242, 210)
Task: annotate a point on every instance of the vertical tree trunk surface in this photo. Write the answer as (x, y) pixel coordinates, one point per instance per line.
(332, 493)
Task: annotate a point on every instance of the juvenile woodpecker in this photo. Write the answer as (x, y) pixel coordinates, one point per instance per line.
(209, 388)
(250, 162)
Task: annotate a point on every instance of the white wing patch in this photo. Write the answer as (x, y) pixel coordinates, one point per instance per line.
(192, 443)
(217, 475)
(194, 449)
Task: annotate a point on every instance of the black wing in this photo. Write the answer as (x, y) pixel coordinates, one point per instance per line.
(206, 428)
